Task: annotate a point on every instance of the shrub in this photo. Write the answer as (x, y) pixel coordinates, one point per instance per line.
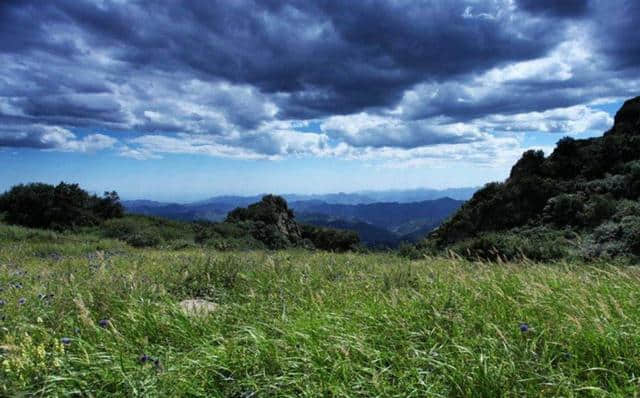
(564, 209)
(144, 239)
(598, 209)
(330, 239)
(612, 239)
(120, 228)
(626, 208)
(616, 185)
(537, 245)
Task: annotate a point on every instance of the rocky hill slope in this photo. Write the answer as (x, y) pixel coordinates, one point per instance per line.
(586, 187)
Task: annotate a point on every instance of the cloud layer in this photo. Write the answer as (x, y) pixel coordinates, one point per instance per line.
(399, 80)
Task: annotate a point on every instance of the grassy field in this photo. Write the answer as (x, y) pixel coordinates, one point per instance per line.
(297, 323)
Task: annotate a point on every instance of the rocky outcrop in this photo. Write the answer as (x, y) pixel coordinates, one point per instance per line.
(274, 222)
(627, 120)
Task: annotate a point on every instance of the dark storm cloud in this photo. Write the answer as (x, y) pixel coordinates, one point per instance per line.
(327, 57)
(558, 8)
(227, 68)
(22, 29)
(617, 34)
(98, 107)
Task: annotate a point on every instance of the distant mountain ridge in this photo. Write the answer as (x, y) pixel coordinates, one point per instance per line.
(385, 215)
(378, 223)
(354, 198)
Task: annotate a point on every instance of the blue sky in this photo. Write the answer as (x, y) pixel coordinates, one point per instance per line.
(185, 100)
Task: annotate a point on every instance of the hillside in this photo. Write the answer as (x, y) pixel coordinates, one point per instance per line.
(86, 316)
(587, 188)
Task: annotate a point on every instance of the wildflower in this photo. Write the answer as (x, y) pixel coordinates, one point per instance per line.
(2, 302)
(103, 323)
(144, 358)
(65, 340)
(524, 327)
(156, 363)
(22, 300)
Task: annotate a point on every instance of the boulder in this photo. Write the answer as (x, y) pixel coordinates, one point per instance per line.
(198, 307)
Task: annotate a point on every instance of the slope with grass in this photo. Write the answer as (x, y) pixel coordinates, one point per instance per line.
(83, 315)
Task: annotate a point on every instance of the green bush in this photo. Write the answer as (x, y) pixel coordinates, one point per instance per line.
(612, 239)
(537, 245)
(564, 209)
(120, 228)
(144, 239)
(598, 209)
(330, 239)
(616, 185)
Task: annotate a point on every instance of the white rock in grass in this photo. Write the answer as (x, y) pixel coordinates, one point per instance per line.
(198, 307)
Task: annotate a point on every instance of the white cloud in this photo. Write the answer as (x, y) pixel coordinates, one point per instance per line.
(571, 120)
(90, 143)
(363, 129)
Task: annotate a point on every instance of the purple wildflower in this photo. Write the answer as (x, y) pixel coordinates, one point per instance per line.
(103, 323)
(22, 300)
(524, 327)
(65, 340)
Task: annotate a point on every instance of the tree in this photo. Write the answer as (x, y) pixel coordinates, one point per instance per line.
(39, 205)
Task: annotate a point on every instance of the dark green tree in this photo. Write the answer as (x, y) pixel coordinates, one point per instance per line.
(59, 207)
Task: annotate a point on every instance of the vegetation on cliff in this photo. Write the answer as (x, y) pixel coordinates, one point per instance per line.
(581, 199)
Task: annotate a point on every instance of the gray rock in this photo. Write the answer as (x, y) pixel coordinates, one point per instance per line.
(198, 307)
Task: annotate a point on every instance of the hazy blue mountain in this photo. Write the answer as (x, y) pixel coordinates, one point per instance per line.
(420, 194)
(378, 223)
(334, 198)
(384, 215)
(369, 234)
(143, 203)
(364, 197)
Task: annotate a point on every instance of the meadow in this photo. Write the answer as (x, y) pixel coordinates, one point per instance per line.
(86, 316)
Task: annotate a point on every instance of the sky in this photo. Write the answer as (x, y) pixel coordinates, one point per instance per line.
(182, 100)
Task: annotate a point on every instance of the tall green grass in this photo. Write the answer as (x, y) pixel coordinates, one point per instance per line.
(298, 323)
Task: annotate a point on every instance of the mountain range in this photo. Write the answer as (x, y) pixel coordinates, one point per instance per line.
(383, 223)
